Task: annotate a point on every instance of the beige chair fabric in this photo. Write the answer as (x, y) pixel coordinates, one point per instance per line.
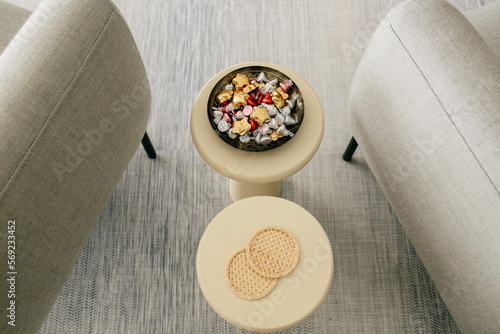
(425, 110)
(486, 20)
(12, 19)
(74, 104)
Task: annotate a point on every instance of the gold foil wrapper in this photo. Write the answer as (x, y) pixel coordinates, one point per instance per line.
(240, 99)
(275, 136)
(250, 88)
(240, 81)
(282, 93)
(224, 96)
(241, 127)
(278, 99)
(260, 115)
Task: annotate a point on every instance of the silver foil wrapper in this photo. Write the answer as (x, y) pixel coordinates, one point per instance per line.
(282, 130)
(262, 77)
(272, 124)
(271, 109)
(286, 111)
(231, 134)
(217, 115)
(291, 121)
(279, 120)
(245, 139)
(265, 140)
(239, 115)
(223, 126)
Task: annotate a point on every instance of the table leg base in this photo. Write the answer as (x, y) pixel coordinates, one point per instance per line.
(240, 190)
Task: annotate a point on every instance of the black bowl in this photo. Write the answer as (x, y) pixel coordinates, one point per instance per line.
(252, 72)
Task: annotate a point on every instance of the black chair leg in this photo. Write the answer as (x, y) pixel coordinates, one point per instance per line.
(148, 146)
(349, 151)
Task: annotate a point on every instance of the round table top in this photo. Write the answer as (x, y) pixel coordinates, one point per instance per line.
(258, 167)
(295, 296)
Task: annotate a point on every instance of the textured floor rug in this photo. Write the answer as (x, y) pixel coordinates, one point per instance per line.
(137, 273)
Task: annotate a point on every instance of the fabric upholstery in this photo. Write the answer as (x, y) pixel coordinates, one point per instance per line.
(424, 108)
(12, 19)
(75, 102)
(486, 20)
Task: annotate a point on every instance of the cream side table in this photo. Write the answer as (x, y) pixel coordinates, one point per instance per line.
(258, 173)
(295, 296)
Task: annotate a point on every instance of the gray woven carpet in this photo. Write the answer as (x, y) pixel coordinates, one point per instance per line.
(137, 273)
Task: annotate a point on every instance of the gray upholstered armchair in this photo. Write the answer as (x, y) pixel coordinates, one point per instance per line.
(425, 108)
(74, 105)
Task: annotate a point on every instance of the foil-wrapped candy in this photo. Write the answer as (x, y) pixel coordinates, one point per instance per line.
(265, 140)
(217, 115)
(275, 136)
(286, 85)
(262, 77)
(250, 87)
(286, 111)
(273, 83)
(231, 134)
(282, 93)
(262, 139)
(264, 129)
(262, 88)
(229, 86)
(241, 127)
(279, 120)
(245, 139)
(278, 100)
(224, 96)
(291, 121)
(240, 81)
(260, 115)
(225, 117)
(239, 115)
(271, 109)
(223, 126)
(282, 130)
(240, 99)
(253, 124)
(247, 111)
(267, 98)
(272, 124)
(224, 108)
(290, 103)
(269, 88)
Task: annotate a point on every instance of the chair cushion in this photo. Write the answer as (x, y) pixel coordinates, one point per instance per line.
(12, 19)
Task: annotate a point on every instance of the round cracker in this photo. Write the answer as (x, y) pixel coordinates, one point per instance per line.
(243, 280)
(273, 252)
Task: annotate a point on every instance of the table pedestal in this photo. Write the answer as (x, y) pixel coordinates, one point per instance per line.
(240, 190)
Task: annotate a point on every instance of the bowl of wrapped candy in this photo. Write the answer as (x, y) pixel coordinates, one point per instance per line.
(255, 108)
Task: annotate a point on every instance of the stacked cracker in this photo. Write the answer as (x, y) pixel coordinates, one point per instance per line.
(253, 271)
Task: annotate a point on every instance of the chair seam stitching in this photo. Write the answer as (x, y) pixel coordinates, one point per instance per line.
(444, 109)
(52, 114)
